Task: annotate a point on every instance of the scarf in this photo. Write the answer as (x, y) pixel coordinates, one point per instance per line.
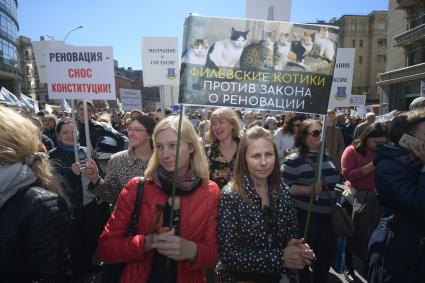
(68, 148)
(184, 185)
(12, 178)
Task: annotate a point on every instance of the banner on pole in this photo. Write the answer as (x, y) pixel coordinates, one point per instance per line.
(131, 99)
(27, 101)
(9, 97)
(160, 61)
(343, 78)
(257, 64)
(80, 73)
(357, 100)
(39, 49)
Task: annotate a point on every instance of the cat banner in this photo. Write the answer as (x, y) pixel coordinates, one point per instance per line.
(257, 64)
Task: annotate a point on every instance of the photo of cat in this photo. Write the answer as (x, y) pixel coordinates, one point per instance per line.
(227, 52)
(325, 46)
(197, 53)
(259, 55)
(300, 49)
(282, 47)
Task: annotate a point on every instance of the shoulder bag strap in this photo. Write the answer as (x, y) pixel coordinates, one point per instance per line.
(132, 228)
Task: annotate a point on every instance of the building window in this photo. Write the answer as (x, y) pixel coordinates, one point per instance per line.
(353, 27)
(270, 16)
(412, 58)
(360, 59)
(353, 43)
(361, 43)
(382, 58)
(381, 26)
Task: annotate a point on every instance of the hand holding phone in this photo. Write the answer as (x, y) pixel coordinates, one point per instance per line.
(408, 142)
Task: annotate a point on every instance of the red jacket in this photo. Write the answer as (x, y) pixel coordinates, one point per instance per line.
(351, 162)
(198, 223)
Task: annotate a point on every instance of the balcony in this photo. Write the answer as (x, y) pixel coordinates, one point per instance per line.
(402, 4)
(403, 74)
(415, 32)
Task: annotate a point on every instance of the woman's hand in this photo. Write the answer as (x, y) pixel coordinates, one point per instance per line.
(297, 254)
(75, 168)
(92, 172)
(175, 247)
(367, 168)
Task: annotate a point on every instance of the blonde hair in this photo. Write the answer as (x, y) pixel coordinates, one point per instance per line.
(105, 117)
(198, 159)
(230, 116)
(19, 139)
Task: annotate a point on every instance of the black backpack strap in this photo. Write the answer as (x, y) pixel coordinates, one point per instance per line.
(132, 228)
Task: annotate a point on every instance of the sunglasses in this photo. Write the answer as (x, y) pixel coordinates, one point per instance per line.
(315, 133)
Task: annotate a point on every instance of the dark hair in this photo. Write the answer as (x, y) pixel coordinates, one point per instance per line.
(148, 122)
(405, 123)
(301, 136)
(241, 167)
(288, 127)
(89, 103)
(375, 130)
(65, 121)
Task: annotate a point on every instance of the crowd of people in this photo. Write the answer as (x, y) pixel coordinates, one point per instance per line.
(227, 202)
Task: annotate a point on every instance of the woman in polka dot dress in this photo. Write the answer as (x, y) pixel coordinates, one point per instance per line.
(257, 223)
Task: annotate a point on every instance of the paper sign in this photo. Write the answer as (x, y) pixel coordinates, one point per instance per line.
(131, 99)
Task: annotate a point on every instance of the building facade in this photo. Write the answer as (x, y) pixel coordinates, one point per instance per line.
(368, 35)
(271, 10)
(30, 84)
(10, 74)
(405, 68)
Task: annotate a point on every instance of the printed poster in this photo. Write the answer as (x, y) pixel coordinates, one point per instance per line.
(131, 99)
(257, 64)
(343, 78)
(80, 73)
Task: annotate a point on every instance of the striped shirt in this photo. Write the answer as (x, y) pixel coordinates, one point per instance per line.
(297, 170)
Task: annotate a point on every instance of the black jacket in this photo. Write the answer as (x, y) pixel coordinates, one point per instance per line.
(98, 130)
(33, 237)
(71, 184)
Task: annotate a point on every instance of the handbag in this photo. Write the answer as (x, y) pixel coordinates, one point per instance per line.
(111, 273)
(341, 223)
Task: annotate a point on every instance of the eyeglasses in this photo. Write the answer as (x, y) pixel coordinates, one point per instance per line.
(135, 130)
(315, 133)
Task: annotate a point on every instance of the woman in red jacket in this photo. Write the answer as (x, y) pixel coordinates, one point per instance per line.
(181, 254)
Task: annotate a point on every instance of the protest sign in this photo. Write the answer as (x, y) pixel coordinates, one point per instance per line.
(357, 100)
(160, 61)
(257, 64)
(39, 49)
(422, 88)
(131, 99)
(343, 78)
(80, 73)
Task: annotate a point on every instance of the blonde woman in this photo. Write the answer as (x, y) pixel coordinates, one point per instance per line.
(179, 255)
(34, 219)
(224, 133)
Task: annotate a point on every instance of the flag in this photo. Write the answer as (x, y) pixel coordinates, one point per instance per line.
(119, 105)
(9, 97)
(423, 88)
(26, 101)
(48, 108)
(107, 105)
(65, 106)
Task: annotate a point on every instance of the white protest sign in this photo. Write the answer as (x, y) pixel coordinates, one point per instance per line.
(343, 78)
(386, 117)
(39, 48)
(80, 72)
(160, 61)
(357, 100)
(131, 99)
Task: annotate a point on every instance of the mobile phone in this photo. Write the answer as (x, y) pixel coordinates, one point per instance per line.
(408, 142)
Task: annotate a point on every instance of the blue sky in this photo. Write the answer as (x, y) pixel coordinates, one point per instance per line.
(122, 24)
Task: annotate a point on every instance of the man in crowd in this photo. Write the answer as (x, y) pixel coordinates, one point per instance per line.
(334, 141)
(370, 119)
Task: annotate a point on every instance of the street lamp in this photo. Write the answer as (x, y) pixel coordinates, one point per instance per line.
(80, 27)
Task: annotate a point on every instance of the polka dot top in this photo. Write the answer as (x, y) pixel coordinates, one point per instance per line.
(249, 244)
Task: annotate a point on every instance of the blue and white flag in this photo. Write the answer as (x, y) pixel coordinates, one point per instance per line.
(9, 97)
(26, 101)
(119, 105)
(423, 88)
(65, 106)
(48, 108)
